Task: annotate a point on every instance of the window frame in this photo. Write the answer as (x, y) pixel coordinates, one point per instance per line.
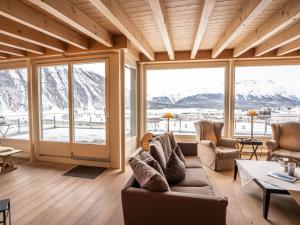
(189, 65)
(70, 62)
(133, 83)
(249, 63)
(21, 65)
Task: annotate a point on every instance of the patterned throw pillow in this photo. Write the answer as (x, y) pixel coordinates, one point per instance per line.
(166, 145)
(157, 152)
(175, 171)
(147, 177)
(173, 142)
(147, 158)
(178, 152)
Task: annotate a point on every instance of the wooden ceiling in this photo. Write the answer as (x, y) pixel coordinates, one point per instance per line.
(31, 28)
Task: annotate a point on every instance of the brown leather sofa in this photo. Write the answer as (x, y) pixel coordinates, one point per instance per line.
(190, 202)
(215, 152)
(285, 141)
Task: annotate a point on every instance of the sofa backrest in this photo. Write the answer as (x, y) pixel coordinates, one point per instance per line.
(288, 135)
(208, 130)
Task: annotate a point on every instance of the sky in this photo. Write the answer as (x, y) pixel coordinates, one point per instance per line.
(211, 80)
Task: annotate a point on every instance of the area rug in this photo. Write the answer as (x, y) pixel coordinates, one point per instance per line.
(89, 172)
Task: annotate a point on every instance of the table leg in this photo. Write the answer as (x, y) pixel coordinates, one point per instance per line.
(7, 165)
(266, 202)
(235, 170)
(254, 149)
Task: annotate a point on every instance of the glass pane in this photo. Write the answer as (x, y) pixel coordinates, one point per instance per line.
(273, 91)
(89, 103)
(14, 121)
(189, 94)
(54, 103)
(130, 102)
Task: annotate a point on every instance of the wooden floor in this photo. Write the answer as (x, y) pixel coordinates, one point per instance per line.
(41, 195)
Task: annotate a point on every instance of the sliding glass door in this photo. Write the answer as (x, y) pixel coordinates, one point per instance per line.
(72, 108)
(54, 103)
(89, 116)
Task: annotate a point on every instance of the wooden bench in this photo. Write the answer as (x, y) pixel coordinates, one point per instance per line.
(7, 160)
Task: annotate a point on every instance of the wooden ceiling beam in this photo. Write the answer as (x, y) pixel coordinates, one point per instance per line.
(159, 13)
(12, 51)
(290, 47)
(69, 13)
(22, 13)
(19, 31)
(3, 56)
(249, 11)
(206, 10)
(280, 20)
(118, 17)
(283, 38)
(22, 45)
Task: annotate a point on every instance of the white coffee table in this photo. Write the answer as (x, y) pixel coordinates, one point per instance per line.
(257, 172)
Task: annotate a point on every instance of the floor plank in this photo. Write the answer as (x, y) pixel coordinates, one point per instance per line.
(41, 195)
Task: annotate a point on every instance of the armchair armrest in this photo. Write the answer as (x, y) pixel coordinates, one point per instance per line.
(143, 207)
(188, 149)
(272, 145)
(208, 144)
(228, 142)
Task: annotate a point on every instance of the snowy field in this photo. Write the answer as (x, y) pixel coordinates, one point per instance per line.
(185, 118)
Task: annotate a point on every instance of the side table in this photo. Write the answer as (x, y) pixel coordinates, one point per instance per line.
(253, 142)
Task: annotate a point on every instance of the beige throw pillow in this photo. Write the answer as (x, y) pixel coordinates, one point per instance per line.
(147, 177)
(178, 152)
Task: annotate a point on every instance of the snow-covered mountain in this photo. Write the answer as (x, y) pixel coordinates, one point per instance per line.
(88, 88)
(249, 94)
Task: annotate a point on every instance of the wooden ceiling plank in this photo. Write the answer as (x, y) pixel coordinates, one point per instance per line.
(283, 38)
(19, 31)
(159, 13)
(21, 13)
(293, 46)
(12, 51)
(206, 10)
(66, 11)
(3, 56)
(280, 20)
(118, 17)
(22, 45)
(249, 11)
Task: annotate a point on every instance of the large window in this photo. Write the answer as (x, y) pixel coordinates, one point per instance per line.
(87, 95)
(14, 121)
(130, 102)
(54, 101)
(273, 91)
(189, 94)
(89, 103)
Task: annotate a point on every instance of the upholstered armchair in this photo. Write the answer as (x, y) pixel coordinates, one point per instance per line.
(285, 141)
(215, 152)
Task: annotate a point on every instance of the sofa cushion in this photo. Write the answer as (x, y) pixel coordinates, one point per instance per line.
(286, 153)
(194, 177)
(157, 152)
(175, 171)
(148, 177)
(225, 153)
(205, 190)
(192, 162)
(289, 136)
(147, 158)
(178, 152)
